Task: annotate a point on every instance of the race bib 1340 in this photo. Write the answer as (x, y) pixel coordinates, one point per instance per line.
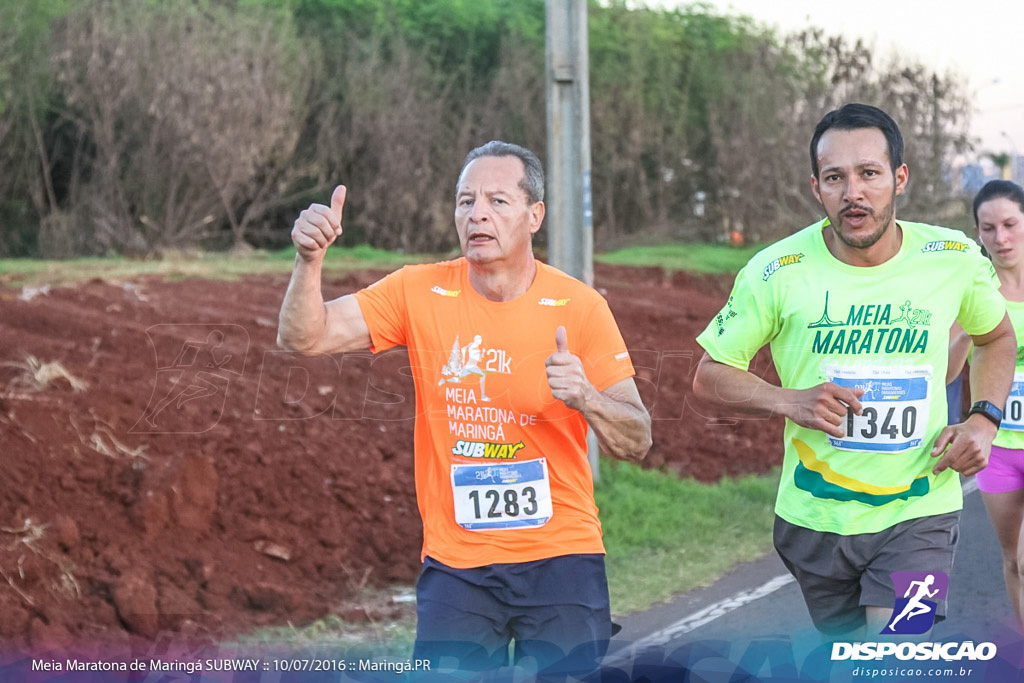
(894, 415)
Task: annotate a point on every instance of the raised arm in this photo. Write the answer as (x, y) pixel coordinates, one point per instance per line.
(823, 407)
(617, 415)
(306, 324)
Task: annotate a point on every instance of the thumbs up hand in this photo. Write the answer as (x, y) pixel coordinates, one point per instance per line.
(566, 377)
(317, 227)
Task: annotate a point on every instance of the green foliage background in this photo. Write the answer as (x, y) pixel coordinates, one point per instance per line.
(146, 127)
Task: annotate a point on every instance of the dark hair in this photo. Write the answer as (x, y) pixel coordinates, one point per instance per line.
(533, 179)
(995, 189)
(853, 116)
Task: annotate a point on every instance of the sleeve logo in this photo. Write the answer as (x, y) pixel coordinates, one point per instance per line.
(780, 262)
(724, 315)
(945, 245)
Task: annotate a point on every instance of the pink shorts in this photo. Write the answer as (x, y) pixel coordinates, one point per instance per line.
(1005, 471)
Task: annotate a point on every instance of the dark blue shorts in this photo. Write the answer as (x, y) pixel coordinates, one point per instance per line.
(555, 610)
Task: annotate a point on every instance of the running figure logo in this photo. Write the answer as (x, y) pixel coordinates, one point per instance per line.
(914, 613)
(869, 390)
(192, 377)
(465, 361)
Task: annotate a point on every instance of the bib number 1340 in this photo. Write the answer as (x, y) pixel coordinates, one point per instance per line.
(896, 424)
(894, 410)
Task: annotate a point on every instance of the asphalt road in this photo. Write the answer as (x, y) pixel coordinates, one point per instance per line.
(752, 625)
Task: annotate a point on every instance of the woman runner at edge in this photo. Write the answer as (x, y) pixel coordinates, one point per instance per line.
(999, 222)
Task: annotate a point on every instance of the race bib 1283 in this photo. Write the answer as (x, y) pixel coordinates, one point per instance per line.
(512, 495)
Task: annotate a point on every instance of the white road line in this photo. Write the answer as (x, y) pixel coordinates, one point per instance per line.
(723, 607)
(706, 615)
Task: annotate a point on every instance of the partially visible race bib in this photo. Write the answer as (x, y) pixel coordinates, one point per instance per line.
(1013, 416)
(511, 495)
(895, 408)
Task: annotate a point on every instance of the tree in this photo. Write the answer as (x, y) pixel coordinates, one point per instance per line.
(190, 111)
(139, 127)
(27, 192)
(1002, 160)
(407, 88)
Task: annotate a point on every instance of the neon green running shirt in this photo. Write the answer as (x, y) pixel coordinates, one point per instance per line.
(884, 329)
(1011, 433)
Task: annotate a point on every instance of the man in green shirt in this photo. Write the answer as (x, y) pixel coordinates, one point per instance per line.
(857, 310)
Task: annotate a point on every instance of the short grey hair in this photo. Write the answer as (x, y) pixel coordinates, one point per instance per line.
(533, 178)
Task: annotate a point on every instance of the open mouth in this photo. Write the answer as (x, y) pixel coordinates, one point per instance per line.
(855, 216)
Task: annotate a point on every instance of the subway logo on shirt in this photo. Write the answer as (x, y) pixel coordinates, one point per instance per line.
(782, 261)
(945, 245)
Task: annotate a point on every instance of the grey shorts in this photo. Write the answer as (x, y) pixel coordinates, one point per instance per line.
(841, 575)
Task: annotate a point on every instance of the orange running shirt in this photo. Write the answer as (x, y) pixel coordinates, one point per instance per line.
(501, 465)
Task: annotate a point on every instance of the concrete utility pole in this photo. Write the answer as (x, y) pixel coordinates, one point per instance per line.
(570, 216)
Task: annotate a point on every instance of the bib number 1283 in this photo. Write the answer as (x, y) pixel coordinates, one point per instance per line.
(507, 496)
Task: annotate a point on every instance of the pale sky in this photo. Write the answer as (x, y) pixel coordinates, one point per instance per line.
(981, 40)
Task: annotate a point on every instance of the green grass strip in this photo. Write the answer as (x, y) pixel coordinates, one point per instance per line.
(704, 258)
(14, 273)
(666, 535)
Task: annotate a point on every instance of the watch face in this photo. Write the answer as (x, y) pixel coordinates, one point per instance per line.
(988, 409)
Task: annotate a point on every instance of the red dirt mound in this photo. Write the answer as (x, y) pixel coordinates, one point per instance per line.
(165, 468)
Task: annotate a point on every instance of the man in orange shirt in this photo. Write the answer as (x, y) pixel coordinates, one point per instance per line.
(512, 545)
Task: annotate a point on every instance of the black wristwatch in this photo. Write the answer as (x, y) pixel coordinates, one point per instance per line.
(989, 410)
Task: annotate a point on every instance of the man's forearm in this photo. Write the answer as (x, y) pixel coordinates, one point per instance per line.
(623, 428)
(738, 389)
(303, 317)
